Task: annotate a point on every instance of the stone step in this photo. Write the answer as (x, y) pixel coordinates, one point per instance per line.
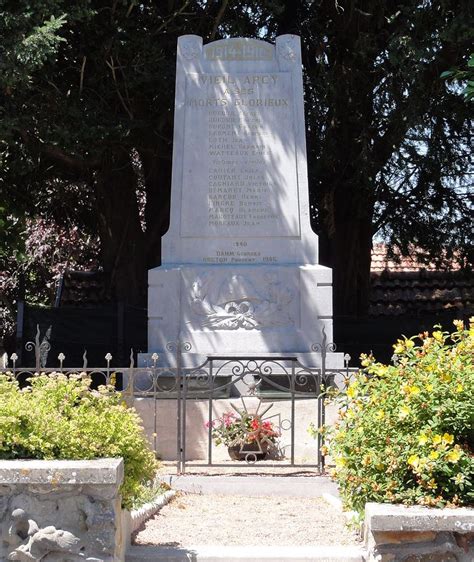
(246, 554)
(293, 486)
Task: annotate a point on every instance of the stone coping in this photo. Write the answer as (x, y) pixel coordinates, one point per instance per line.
(107, 471)
(390, 517)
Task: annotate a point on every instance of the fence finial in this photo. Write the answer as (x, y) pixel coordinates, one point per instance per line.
(41, 349)
(61, 358)
(108, 358)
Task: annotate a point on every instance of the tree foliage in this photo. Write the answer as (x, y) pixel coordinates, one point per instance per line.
(464, 76)
(389, 143)
(86, 115)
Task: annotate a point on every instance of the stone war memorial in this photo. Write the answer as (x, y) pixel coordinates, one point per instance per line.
(240, 272)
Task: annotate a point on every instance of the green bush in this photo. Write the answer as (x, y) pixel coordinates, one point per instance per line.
(60, 417)
(405, 432)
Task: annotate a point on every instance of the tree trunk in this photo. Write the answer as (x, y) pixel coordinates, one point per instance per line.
(121, 235)
(156, 161)
(345, 244)
(345, 170)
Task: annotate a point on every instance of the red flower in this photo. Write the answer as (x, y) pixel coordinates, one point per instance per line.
(231, 429)
(255, 424)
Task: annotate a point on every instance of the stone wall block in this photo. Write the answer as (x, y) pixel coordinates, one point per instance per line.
(61, 510)
(107, 492)
(464, 541)
(400, 537)
(433, 557)
(395, 533)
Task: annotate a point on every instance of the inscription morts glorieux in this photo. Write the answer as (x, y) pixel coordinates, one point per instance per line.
(239, 164)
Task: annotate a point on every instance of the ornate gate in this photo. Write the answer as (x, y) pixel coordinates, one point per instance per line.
(257, 409)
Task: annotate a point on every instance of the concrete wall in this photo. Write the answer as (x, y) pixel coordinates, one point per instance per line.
(197, 414)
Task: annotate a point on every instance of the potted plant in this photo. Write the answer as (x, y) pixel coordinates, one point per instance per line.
(246, 436)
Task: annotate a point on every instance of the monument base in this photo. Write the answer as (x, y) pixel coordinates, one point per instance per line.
(190, 360)
(245, 310)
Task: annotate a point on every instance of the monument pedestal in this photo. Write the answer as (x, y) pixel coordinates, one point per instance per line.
(238, 310)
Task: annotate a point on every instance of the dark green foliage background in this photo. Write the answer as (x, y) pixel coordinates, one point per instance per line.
(86, 117)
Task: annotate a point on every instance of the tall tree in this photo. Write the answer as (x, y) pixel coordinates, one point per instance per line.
(86, 101)
(389, 143)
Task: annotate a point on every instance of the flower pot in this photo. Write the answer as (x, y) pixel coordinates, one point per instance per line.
(249, 452)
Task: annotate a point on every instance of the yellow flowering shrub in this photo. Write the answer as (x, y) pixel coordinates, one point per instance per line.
(59, 417)
(405, 432)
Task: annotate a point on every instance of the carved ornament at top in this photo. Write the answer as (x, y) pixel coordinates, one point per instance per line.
(190, 48)
(287, 51)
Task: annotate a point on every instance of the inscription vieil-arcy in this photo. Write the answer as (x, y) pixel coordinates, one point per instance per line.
(235, 90)
(239, 162)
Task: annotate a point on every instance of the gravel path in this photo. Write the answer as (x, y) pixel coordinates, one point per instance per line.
(193, 520)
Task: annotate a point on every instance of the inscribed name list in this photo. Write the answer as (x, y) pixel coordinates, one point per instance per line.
(239, 164)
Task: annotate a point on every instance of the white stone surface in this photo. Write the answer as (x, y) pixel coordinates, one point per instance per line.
(268, 553)
(238, 199)
(257, 486)
(94, 471)
(389, 517)
(239, 150)
(240, 269)
(244, 309)
(398, 532)
(197, 414)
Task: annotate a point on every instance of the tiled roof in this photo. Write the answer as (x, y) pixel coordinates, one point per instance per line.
(381, 262)
(419, 292)
(413, 288)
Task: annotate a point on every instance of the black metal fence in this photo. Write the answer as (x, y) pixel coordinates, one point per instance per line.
(250, 403)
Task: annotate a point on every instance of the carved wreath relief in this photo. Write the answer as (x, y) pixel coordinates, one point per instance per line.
(233, 301)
